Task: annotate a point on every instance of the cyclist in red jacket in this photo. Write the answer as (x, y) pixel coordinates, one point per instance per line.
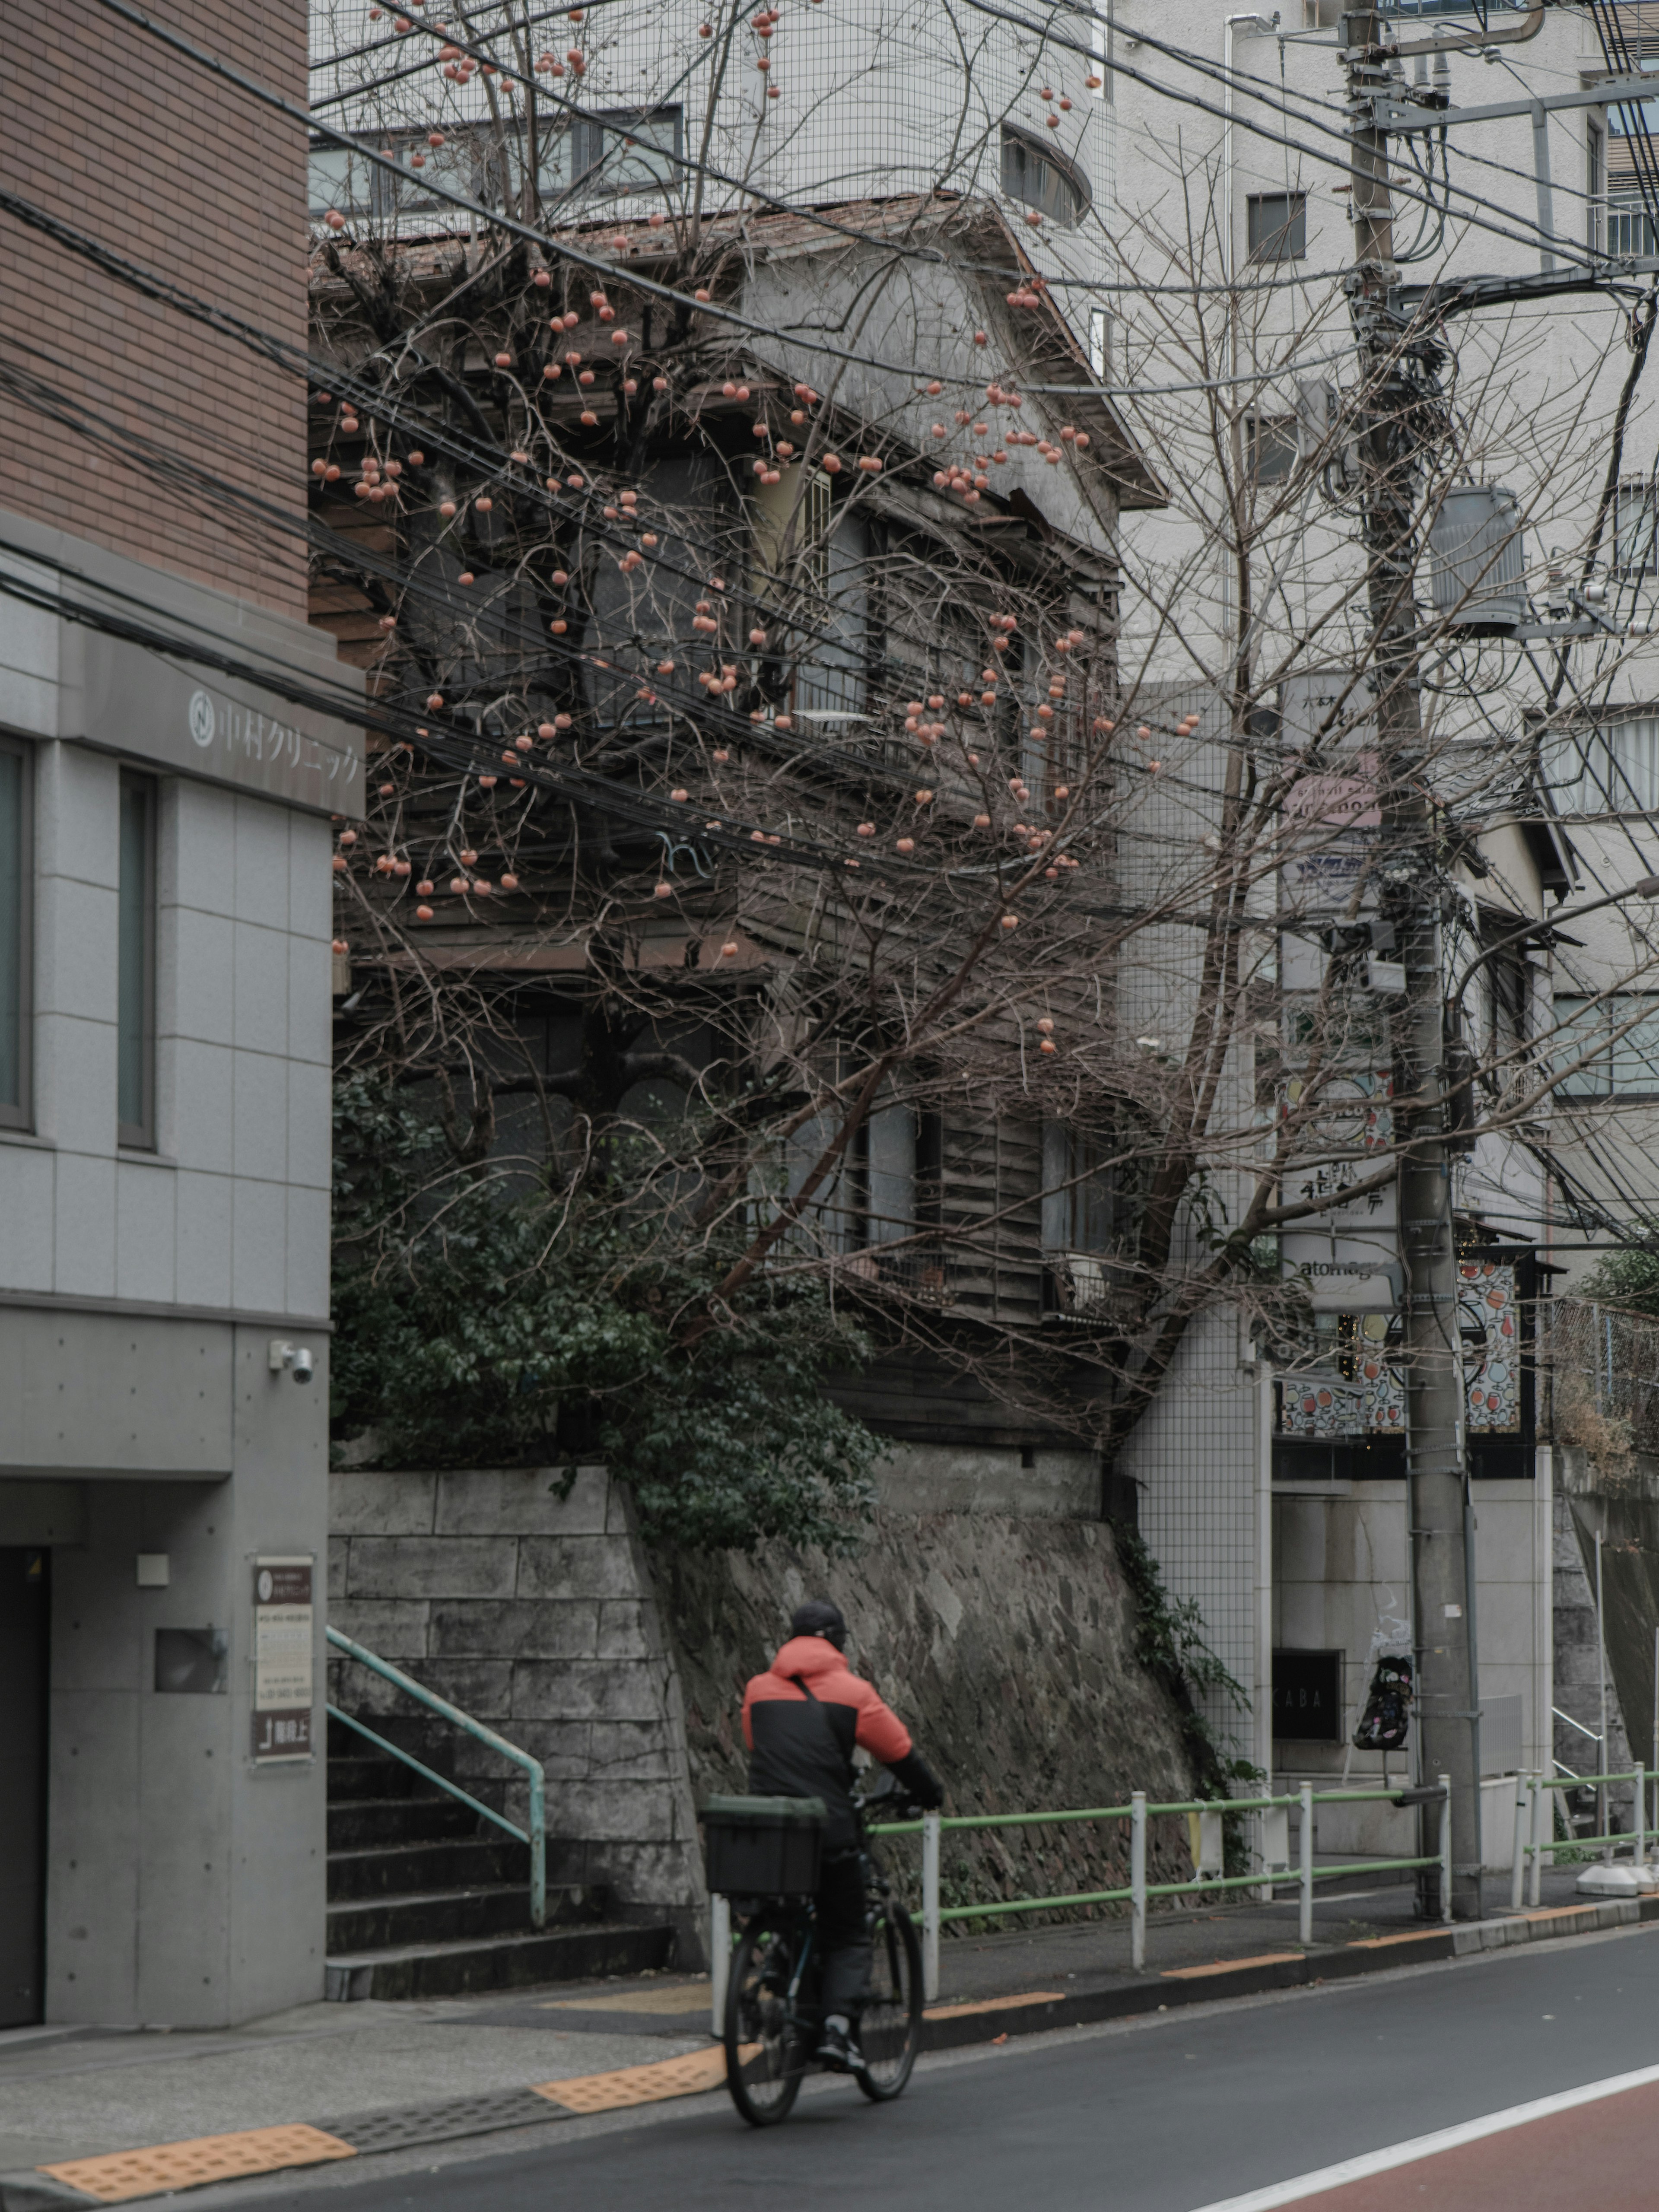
(801, 1720)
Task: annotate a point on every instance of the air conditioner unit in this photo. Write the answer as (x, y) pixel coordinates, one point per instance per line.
(1474, 546)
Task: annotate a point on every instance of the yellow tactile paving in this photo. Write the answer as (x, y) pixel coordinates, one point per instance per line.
(638, 2085)
(993, 2004)
(118, 2175)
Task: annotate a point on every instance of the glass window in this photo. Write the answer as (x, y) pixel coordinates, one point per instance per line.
(1620, 1066)
(1035, 174)
(1634, 519)
(630, 150)
(1278, 226)
(14, 916)
(1636, 1053)
(832, 676)
(1595, 183)
(1081, 1211)
(136, 966)
(1628, 226)
(1612, 770)
(1271, 447)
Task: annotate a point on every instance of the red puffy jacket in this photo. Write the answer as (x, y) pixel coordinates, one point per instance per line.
(802, 1746)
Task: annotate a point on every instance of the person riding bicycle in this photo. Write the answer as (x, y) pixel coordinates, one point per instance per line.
(801, 1719)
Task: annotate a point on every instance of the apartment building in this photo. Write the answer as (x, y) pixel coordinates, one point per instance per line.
(172, 747)
(1234, 178)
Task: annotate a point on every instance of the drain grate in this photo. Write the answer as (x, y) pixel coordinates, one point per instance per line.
(118, 2175)
(456, 2116)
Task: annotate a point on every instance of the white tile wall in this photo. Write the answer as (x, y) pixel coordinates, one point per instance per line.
(206, 976)
(203, 1213)
(84, 1226)
(258, 1250)
(260, 1124)
(243, 889)
(144, 1249)
(261, 966)
(262, 862)
(203, 1113)
(26, 1215)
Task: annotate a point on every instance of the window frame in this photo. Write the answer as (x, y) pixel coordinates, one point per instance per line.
(1276, 437)
(1639, 494)
(1289, 242)
(21, 1115)
(1595, 183)
(1047, 160)
(137, 1136)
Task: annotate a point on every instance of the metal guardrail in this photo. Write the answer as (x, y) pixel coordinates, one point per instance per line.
(932, 1826)
(1531, 1795)
(536, 1836)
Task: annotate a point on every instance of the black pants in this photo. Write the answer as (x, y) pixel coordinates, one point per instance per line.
(843, 1935)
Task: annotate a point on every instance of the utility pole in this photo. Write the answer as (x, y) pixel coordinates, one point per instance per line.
(1401, 401)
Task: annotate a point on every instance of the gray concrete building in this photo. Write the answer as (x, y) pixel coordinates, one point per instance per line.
(170, 753)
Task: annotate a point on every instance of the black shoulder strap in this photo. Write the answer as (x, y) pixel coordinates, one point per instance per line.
(805, 1687)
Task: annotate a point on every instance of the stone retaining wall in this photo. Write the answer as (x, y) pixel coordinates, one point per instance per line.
(1006, 1640)
(535, 1614)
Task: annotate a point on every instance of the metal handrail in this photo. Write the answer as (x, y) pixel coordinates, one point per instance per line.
(1530, 1844)
(931, 1826)
(536, 1836)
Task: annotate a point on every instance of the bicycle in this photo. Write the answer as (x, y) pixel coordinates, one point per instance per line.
(773, 2018)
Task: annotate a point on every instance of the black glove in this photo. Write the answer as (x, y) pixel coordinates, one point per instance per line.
(918, 1780)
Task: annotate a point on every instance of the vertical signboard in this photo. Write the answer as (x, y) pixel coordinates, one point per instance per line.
(283, 1635)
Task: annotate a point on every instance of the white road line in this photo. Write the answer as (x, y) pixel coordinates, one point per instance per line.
(1403, 2154)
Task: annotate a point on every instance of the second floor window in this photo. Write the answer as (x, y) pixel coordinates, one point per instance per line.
(1626, 1065)
(1635, 516)
(1277, 226)
(1612, 768)
(1270, 447)
(1038, 176)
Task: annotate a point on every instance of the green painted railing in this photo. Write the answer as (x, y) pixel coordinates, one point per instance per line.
(536, 1836)
(933, 1825)
(1531, 1797)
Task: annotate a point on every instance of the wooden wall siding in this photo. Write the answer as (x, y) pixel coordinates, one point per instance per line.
(991, 1214)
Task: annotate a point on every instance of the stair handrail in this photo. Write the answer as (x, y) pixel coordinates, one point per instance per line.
(537, 1835)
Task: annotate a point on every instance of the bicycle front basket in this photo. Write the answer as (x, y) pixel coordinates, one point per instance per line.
(763, 1846)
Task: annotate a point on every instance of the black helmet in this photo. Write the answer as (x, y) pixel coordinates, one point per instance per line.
(817, 1616)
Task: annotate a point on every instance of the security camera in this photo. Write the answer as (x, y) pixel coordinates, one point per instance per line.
(279, 1356)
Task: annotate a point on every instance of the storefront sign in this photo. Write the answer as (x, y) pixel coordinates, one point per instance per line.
(283, 1640)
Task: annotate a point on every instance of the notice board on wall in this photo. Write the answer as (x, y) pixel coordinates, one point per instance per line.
(285, 1632)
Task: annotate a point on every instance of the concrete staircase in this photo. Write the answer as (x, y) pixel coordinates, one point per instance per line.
(425, 1900)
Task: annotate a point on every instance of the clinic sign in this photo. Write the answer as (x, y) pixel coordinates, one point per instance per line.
(221, 729)
(284, 1642)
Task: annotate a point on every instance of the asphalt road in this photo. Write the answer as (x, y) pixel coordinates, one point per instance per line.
(1183, 2111)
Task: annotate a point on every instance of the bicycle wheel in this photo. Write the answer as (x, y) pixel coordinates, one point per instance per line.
(765, 2053)
(890, 2026)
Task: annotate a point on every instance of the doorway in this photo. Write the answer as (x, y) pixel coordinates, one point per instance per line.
(25, 1616)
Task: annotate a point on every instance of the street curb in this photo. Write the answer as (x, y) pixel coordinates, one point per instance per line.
(945, 2027)
(1250, 1978)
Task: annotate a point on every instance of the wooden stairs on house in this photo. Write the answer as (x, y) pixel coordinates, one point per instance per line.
(426, 1899)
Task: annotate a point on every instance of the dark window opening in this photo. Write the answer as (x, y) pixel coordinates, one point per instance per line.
(1035, 175)
(1277, 226)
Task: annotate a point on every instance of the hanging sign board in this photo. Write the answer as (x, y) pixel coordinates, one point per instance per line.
(283, 1640)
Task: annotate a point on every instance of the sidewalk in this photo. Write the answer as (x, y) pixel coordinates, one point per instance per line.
(331, 2080)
